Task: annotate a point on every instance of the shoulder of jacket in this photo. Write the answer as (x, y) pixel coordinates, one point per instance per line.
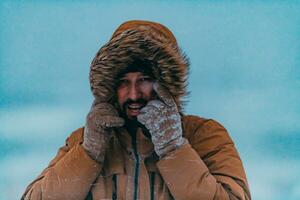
(198, 126)
(76, 137)
(193, 121)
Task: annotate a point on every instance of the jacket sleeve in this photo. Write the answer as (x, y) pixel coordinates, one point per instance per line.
(68, 176)
(208, 167)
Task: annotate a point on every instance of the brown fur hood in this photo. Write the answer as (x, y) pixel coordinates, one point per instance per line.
(143, 40)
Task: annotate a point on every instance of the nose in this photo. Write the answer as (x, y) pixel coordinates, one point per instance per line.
(134, 92)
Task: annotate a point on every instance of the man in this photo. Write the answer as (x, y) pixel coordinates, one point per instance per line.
(137, 142)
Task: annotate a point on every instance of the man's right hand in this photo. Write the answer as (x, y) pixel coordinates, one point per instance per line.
(97, 132)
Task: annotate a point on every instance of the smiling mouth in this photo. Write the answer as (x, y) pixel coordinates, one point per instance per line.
(133, 109)
(135, 106)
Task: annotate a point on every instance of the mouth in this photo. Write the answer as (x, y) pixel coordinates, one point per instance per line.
(133, 109)
(135, 105)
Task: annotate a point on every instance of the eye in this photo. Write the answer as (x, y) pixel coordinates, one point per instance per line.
(146, 78)
(123, 82)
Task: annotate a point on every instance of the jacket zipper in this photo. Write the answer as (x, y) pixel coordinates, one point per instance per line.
(114, 194)
(136, 169)
(152, 182)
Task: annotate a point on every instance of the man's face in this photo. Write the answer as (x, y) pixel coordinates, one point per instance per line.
(135, 89)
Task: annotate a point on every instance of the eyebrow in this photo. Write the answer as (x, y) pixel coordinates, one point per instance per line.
(144, 75)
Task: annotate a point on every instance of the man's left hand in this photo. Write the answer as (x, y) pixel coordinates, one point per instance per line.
(162, 119)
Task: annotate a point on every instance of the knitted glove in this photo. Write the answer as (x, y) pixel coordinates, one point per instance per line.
(162, 119)
(97, 132)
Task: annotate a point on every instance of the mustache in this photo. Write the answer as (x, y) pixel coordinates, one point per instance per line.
(129, 101)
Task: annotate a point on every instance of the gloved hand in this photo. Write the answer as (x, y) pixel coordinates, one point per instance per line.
(163, 121)
(97, 132)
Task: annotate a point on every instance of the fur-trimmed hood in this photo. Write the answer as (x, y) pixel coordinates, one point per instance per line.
(147, 41)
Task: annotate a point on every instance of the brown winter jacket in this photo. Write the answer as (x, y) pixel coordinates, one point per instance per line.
(208, 167)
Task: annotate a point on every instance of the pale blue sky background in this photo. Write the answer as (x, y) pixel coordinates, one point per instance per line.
(245, 73)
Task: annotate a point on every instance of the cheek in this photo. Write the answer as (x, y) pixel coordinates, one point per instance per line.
(148, 91)
(121, 95)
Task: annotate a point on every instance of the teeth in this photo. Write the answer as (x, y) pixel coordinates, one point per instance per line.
(134, 106)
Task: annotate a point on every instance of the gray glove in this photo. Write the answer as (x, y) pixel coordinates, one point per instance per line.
(163, 121)
(97, 132)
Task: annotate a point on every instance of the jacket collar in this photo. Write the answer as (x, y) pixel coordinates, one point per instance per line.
(121, 147)
(144, 144)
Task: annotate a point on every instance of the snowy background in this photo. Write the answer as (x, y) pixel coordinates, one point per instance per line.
(245, 73)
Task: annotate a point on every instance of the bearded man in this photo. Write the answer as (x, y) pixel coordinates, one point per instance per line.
(137, 142)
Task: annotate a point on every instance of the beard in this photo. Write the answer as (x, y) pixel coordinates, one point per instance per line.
(131, 108)
(131, 122)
